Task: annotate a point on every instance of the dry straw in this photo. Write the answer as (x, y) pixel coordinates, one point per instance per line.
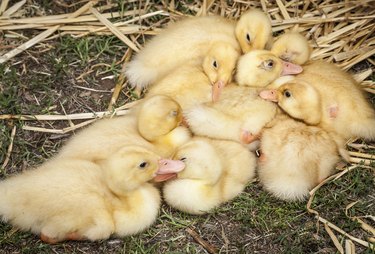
(339, 31)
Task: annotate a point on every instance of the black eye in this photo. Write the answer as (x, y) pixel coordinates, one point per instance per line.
(287, 93)
(183, 159)
(214, 64)
(268, 64)
(173, 113)
(143, 164)
(248, 38)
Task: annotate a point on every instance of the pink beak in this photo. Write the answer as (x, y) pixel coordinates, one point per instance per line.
(269, 95)
(168, 169)
(217, 88)
(290, 68)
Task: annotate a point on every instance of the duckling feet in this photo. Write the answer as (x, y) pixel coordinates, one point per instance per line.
(47, 239)
(73, 236)
(247, 137)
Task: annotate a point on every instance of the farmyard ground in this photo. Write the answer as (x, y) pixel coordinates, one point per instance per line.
(67, 75)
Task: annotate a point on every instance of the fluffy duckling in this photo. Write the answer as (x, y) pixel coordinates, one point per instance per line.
(254, 31)
(259, 68)
(191, 84)
(295, 158)
(215, 172)
(159, 119)
(239, 115)
(326, 96)
(292, 47)
(72, 199)
(188, 40)
(106, 136)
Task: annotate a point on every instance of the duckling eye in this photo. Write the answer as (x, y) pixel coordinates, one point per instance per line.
(143, 165)
(183, 159)
(248, 38)
(214, 64)
(287, 94)
(173, 113)
(268, 64)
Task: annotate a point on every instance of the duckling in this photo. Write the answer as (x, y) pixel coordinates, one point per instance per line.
(239, 116)
(191, 84)
(325, 96)
(292, 47)
(215, 172)
(259, 68)
(187, 40)
(295, 157)
(254, 31)
(106, 136)
(159, 120)
(73, 199)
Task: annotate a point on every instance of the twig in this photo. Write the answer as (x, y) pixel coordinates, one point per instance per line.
(209, 247)
(10, 148)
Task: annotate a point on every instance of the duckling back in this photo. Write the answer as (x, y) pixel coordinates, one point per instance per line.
(181, 42)
(295, 158)
(188, 85)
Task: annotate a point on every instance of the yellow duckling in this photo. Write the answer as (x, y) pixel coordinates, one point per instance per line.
(292, 47)
(295, 158)
(254, 30)
(215, 172)
(239, 115)
(106, 136)
(73, 199)
(192, 84)
(258, 68)
(159, 119)
(326, 96)
(188, 40)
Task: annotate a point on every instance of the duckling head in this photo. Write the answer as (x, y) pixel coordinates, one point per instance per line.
(298, 99)
(132, 166)
(157, 116)
(219, 65)
(253, 30)
(259, 68)
(292, 47)
(202, 162)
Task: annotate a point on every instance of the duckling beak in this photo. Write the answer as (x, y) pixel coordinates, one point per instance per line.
(290, 68)
(217, 88)
(269, 95)
(168, 169)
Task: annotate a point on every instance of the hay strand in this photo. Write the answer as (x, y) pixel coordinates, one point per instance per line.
(113, 29)
(42, 35)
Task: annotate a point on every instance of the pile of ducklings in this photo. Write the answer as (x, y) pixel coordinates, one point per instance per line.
(217, 91)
